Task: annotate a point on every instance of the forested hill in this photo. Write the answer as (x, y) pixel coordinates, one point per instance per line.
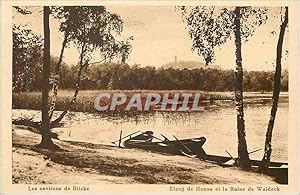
(189, 65)
(124, 76)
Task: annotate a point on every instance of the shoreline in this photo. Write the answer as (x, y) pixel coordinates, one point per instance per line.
(86, 163)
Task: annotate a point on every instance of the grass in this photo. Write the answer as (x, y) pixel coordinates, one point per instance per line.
(85, 99)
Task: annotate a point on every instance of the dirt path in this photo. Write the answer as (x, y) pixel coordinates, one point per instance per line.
(85, 163)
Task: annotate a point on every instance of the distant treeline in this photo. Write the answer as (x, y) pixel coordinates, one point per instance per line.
(123, 76)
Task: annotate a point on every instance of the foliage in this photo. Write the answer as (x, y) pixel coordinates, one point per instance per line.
(90, 26)
(27, 59)
(123, 76)
(210, 27)
(22, 10)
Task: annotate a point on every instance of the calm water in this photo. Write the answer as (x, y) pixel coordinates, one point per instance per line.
(218, 126)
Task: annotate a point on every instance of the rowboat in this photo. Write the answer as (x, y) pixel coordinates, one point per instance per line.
(278, 170)
(175, 147)
(226, 160)
(193, 148)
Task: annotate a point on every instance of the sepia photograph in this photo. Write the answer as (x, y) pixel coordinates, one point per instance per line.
(189, 96)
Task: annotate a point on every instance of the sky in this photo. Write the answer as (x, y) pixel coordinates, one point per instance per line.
(160, 35)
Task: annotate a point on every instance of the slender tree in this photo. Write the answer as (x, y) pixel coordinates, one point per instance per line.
(210, 27)
(243, 155)
(45, 126)
(276, 91)
(63, 15)
(91, 28)
(56, 77)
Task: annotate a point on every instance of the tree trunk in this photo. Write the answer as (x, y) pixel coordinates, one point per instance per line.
(277, 80)
(45, 130)
(57, 72)
(77, 88)
(243, 156)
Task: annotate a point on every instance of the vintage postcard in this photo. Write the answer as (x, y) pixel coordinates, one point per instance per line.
(149, 96)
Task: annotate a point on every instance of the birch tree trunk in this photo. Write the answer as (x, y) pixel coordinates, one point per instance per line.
(56, 77)
(277, 80)
(243, 156)
(77, 88)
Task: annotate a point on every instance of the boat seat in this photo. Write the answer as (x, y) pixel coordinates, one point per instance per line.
(162, 144)
(141, 141)
(196, 140)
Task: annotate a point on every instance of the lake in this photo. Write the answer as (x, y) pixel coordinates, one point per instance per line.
(217, 125)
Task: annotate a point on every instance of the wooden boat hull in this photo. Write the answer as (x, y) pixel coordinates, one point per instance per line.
(278, 170)
(170, 147)
(224, 159)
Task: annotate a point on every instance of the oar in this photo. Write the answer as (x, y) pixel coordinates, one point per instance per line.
(166, 139)
(229, 154)
(188, 155)
(182, 144)
(114, 142)
(182, 152)
(156, 138)
(120, 139)
(255, 151)
(235, 160)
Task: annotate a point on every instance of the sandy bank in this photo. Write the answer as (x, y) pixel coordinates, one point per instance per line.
(85, 163)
